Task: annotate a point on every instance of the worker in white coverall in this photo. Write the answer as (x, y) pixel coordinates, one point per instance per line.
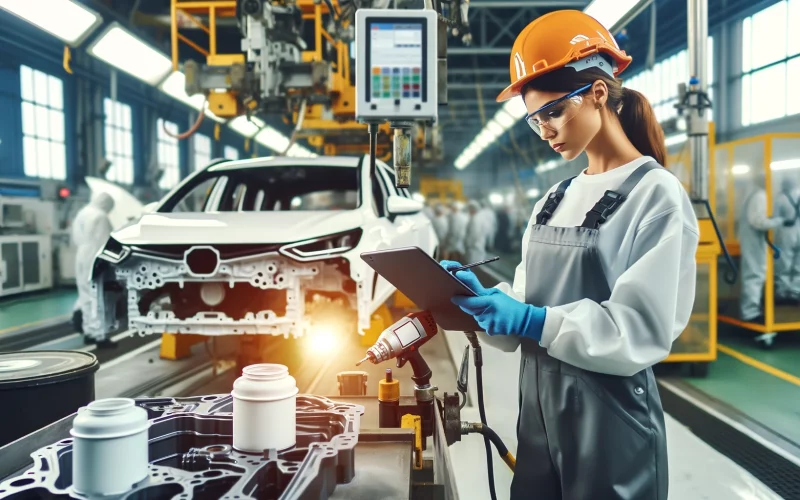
(90, 231)
(787, 238)
(752, 231)
(456, 231)
(477, 233)
(440, 224)
(491, 223)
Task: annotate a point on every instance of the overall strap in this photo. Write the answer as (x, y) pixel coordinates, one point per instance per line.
(611, 200)
(553, 200)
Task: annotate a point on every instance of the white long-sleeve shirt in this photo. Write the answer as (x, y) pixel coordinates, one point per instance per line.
(647, 251)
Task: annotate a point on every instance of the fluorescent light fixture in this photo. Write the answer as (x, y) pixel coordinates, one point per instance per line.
(482, 141)
(496, 198)
(740, 169)
(495, 128)
(785, 164)
(676, 139)
(610, 12)
(175, 87)
(67, 20)
(533, 193)
(418, 197)
(273, 139)
(127, 52)
(516, 108)
(245, 127)
(504, 119)
(488, 135)
(550, 165)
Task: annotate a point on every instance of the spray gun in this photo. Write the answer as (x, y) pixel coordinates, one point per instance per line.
(402, 341)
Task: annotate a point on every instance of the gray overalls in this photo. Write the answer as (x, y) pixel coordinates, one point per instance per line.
(581, 434)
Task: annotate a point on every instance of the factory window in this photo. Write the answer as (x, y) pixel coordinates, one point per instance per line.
(119, 141)
(168, 154)
(770, 63)
(660, 84)
(202, 151)
(230, 153)
(43, 137)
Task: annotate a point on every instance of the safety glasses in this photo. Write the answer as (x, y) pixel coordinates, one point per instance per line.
(556, 114)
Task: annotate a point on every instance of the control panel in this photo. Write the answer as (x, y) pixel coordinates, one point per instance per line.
(396, 63)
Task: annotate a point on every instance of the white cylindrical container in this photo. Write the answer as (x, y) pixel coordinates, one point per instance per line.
(264, 408)
(110, 447)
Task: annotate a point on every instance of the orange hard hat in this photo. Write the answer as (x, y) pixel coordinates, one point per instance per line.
(556, 40)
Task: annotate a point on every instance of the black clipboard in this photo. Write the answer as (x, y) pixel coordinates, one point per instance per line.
(425, 282)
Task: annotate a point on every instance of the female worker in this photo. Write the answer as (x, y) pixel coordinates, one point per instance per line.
(607, 274)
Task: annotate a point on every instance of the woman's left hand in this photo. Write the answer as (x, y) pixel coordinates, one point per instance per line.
(497, 313)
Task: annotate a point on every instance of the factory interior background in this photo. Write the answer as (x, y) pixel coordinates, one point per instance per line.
(231, 194)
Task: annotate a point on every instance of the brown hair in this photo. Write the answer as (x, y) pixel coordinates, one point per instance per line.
(633, 109)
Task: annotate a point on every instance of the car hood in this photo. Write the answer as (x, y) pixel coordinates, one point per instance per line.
(236, 227)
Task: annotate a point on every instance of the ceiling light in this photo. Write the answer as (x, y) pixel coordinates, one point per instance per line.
(785, 164)
(65, 19)
(496, 199)
(495, 127)
(125, 51)
(175, 87)
(245, 127)
(273, 139)
(610, 12)
(482, 141)
(740, 169)
(516, 108)
(488, 135)
(504, 119)
(676, 139)
(533, 193)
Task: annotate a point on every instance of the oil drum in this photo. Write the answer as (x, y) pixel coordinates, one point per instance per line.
(38, 388)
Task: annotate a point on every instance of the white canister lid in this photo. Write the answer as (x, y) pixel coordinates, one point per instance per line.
(109, 419)
(265, 382)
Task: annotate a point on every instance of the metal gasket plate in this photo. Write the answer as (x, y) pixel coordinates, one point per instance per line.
(191, 455)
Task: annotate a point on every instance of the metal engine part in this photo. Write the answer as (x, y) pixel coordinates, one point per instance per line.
(191, 455)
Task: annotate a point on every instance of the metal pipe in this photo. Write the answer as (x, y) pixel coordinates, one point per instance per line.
(697, 123)
(468, 51)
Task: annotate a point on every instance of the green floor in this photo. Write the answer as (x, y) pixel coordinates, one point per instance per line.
(20, 310)
(772, 401)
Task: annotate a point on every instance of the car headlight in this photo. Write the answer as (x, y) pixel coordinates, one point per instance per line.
(322, 248)
(114, 251)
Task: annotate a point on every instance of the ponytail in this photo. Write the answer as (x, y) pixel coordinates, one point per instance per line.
(639, 122)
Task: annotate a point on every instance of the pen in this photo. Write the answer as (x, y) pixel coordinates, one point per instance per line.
(474, 264)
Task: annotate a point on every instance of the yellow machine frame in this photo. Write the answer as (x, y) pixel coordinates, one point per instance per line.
(333, 130)
(441, 189)
(708, 252)
(770, 325)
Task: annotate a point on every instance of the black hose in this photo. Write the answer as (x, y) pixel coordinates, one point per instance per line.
(478, 359)
(732, 274)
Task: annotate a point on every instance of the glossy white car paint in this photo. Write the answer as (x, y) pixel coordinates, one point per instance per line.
(277, 256)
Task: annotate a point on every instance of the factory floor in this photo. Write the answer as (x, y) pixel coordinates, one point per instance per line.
(17, 311)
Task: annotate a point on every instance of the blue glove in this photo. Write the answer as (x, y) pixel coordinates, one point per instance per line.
(450, 264)
(497, 313)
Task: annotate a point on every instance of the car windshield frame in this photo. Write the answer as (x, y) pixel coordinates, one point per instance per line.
(176, 198)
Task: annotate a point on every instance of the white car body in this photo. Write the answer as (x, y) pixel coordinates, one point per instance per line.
(228, 269)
